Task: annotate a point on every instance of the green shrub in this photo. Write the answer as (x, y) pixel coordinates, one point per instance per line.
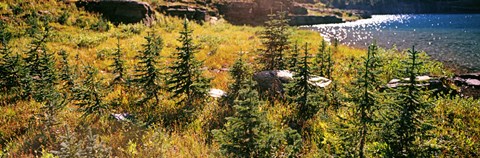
(101, 25)
(63, 19)
(85, 41)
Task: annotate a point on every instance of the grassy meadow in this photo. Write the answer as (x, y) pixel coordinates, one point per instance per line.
(90, 41)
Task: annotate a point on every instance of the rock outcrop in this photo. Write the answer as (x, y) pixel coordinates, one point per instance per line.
(256, 12)
(120, 11)
(269, 82)
(469, 84)
(272, 82)
(438, 86)
(193, 13)
(312, 20)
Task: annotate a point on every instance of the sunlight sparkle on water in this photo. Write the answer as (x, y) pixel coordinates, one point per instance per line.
(446, 37)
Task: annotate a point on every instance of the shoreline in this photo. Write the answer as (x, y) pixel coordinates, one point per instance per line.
(357, 34)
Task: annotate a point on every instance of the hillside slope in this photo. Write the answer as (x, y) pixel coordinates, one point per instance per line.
(59, 96)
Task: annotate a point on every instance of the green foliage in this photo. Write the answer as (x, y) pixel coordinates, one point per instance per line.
(148, 73)
(241, 73)
(249, 134)
(89, 94)
(275, 42)
(293, 59)
(186, 81)
(89, 41)
(118, 65)
(365, 96)
(406, 126)
(66, 75)
(39, 68)
(10, 63)
(33, 104)
(35, 26)
(101, 25)
(457, 123)
(329, 64)
(63, 19)
(320, 60)
(304, 94)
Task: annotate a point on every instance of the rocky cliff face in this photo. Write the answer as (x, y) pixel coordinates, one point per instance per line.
(251, 13)
(120, 11)
(256, 13)
(193, 13)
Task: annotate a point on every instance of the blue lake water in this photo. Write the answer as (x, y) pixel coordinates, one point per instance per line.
(450, 38)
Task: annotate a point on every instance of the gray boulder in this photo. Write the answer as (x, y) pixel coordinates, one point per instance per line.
(470, 79)
(469, 84)
(120, 11)
(271, 82)
(438, 86)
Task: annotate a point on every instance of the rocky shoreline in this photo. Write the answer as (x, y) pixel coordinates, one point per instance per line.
(236, 12)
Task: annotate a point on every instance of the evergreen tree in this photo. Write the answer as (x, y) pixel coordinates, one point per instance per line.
(407, 127)
(240, 72)
(275, 41)
(39, 74)
(186, 81)
(118, 65)
(242, 132)
(320, 59)
(148, 74)
(249, 134)
(293, 59)
(10, 63)
(89, 94)
(65, 75)
(35, 24)
(302, 92)
(366, 98)
(47, 79)
(329, 64)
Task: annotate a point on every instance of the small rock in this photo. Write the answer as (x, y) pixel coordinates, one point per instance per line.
(394, 81)
(472, 82)
(121, 116)
(423, 78)
(318, 81)
(284, 75)
(225, 69)
(217, 93)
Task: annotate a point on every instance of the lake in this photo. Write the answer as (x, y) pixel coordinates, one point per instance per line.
(451, 38)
